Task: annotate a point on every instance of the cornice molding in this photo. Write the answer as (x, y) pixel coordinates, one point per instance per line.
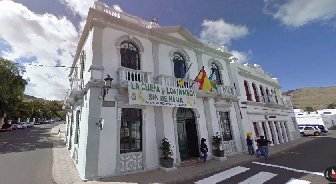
(262, 80)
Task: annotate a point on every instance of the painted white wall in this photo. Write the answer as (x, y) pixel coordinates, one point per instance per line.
(83, 136)
(201, 124)
(108, 141)
(169, 129)
(151, 147)
(88, 50)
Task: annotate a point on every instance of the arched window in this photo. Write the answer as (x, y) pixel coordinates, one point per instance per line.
(247, 91)
(255, 92)
(130, 57)
(275, 96)
(267, 94)
(263, 99)
(179, 65)
(215, 74)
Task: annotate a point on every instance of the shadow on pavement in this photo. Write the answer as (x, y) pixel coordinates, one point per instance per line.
(25, 140)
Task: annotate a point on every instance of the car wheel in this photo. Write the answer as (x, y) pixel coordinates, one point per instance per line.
(316, 133)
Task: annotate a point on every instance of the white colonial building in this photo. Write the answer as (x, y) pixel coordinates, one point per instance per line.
(115, 129)
(264, 110)
(325, 117)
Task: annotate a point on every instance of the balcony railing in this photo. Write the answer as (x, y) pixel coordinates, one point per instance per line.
(226, 90)
(121, 15)
(77, 84)
(175, 82)
(127, 74)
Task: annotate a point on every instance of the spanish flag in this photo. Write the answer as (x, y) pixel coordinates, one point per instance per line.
(203, 80)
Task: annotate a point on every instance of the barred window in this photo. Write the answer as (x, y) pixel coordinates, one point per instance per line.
(225, 126)
(131, 130)
(130, 57)
(179, 65)
(215, 74)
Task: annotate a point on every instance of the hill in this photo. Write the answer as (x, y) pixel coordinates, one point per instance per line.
(318, 98)
(28, 98)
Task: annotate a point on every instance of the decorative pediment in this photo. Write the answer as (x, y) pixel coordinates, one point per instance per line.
(178, 32)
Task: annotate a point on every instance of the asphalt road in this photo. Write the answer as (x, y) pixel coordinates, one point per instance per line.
(26, 155)
(303, 164)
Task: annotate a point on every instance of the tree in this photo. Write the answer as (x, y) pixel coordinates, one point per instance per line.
(12, 86)
(331, 106)
(309, 109)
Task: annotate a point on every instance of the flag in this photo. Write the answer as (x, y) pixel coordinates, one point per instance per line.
(181, 81)
(203, 81)
(213, 82)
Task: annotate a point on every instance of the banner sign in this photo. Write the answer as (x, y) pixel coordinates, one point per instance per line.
(158, 95)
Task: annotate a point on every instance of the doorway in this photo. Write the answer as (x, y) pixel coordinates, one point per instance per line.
(187, 134)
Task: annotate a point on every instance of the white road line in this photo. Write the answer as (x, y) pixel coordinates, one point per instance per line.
(259, 178)
(223, 175)
(296, 181)
(290, 169)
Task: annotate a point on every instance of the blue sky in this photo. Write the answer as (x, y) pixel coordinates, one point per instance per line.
(292, 40)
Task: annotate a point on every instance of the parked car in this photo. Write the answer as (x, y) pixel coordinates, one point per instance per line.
(308, 130)
(8, 127)
(301, 129)
(23, 124)
(29, 124)
(322, 128)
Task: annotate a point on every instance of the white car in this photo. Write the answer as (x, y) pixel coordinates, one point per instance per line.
(29, 124)
(22, 125)
(311, 131)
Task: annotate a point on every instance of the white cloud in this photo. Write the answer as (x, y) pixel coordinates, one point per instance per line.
(222, 33)
(117, 7)
(297, 13)
(241, 57)
(42, 36)
(80, 7)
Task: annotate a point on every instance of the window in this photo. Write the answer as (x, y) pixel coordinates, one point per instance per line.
(77, 127)
(131, 130)
(130, 57)
(275, 96)
(267, 94)
(215, 74)
(262, 94)
(179, 65)
(247, 91)
(225, 126)
(82, 63)
(255, 92)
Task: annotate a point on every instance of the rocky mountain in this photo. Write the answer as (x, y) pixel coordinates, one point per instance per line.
(318, 98)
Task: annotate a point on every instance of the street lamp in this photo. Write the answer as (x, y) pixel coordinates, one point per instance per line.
(108, 85)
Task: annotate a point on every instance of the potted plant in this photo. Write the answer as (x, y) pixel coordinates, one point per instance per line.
(167, 153)
(217, 142)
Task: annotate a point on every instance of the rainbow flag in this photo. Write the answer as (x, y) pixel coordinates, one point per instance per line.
(203, 81)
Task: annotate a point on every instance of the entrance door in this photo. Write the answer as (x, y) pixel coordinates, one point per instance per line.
(187, 134)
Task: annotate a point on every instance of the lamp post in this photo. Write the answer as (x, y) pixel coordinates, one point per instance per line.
(108, 85)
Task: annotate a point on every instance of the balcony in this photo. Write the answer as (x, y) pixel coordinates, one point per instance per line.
(127, 74)
(77, 84)
(174, 82)
(226, 90)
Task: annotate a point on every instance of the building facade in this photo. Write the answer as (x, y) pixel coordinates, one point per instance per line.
(115, 128)
(325, 117)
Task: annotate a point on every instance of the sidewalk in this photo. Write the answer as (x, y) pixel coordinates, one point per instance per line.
(64, 171)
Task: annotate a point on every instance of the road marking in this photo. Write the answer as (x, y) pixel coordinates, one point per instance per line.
(290, 169)
(223, 175)
(296, 181)
(259, 178)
